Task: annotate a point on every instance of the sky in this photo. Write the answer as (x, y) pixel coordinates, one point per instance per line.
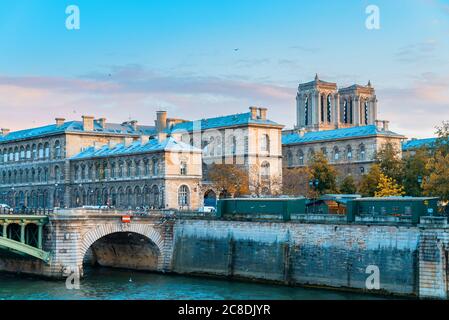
(206, 58)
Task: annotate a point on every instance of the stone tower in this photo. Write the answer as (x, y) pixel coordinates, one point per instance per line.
(358, 106)
(321, 106)
(317, 105)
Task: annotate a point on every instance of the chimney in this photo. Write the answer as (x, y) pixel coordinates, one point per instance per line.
(253, 113)
(59, 121)
(102, 123)
(88, 123)
(5, 132)
(263, 113)
(144, 139)
(161, 122)
(382, 125)
(127, 141)
(302, 132)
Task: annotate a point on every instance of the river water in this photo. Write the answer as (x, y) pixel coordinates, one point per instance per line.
(112, 284)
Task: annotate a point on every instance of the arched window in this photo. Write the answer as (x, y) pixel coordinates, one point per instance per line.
(34, 148)
(306, 111)
(322, 107)
(155, 167)
(289, 158)
(265, 170)
(137, 164)
(300, 157)
(349, 153)
(183, 168)
(336, 154)
(329, 109)
(120, 169)
(16, 154)
(28, 152)
(113, 170)
(146, 164)
(183, 196)
(265, 143)
(351, 111)
(345, 111)
(57, 174)
(366, 112)
(362, 152)
(40, 148)
(57, 149)
(22, 153)
(47, 150)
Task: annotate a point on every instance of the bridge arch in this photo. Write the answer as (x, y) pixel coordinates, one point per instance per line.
(101, 231)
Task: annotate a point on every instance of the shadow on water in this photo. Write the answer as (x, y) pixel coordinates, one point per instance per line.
(112, 284)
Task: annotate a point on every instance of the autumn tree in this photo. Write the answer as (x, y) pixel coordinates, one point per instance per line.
(348, 186)
(388, 187)
(415, 171)
(323, 173)
(389, 160)
(437, 183)
(230, 179)
(370, 181)
(260, 185)
(295, 181)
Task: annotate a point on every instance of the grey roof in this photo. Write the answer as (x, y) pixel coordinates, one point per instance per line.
(220, 122)
(345, 133)
(418, 143)
(77, 127)
(153, 145)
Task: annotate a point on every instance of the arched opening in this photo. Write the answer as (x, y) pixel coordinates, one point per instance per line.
(13, 232)
(127, 250)
(31, 234)
(210, 199)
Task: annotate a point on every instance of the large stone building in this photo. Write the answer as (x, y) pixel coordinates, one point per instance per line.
(340, 123)
(92, 162)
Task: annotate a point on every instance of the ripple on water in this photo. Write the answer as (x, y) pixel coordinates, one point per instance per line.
(108, 284)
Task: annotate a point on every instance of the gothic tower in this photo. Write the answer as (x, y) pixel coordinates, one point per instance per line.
(358, 106)
(321, 106)
(317, 104)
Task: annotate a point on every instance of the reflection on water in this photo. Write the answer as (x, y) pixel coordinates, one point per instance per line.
(109, 284)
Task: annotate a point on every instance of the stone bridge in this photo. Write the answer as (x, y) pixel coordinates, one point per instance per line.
(67, 240)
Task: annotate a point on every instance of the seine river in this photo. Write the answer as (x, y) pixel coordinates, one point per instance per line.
(109, 284)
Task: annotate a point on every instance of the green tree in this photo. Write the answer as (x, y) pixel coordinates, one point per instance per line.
(348, 186)
(415, 171)
(389, 160)
(369, 182)
(325, 174)
(388, 187)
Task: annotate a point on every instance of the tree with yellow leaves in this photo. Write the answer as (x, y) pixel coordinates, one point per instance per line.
(388, 187)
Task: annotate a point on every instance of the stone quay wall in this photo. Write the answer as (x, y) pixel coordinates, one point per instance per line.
(411, 260)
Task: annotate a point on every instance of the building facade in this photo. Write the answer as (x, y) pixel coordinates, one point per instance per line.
(92, 162)
(65, 165)
(340, 123)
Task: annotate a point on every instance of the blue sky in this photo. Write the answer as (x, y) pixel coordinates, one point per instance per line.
(131, 58)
